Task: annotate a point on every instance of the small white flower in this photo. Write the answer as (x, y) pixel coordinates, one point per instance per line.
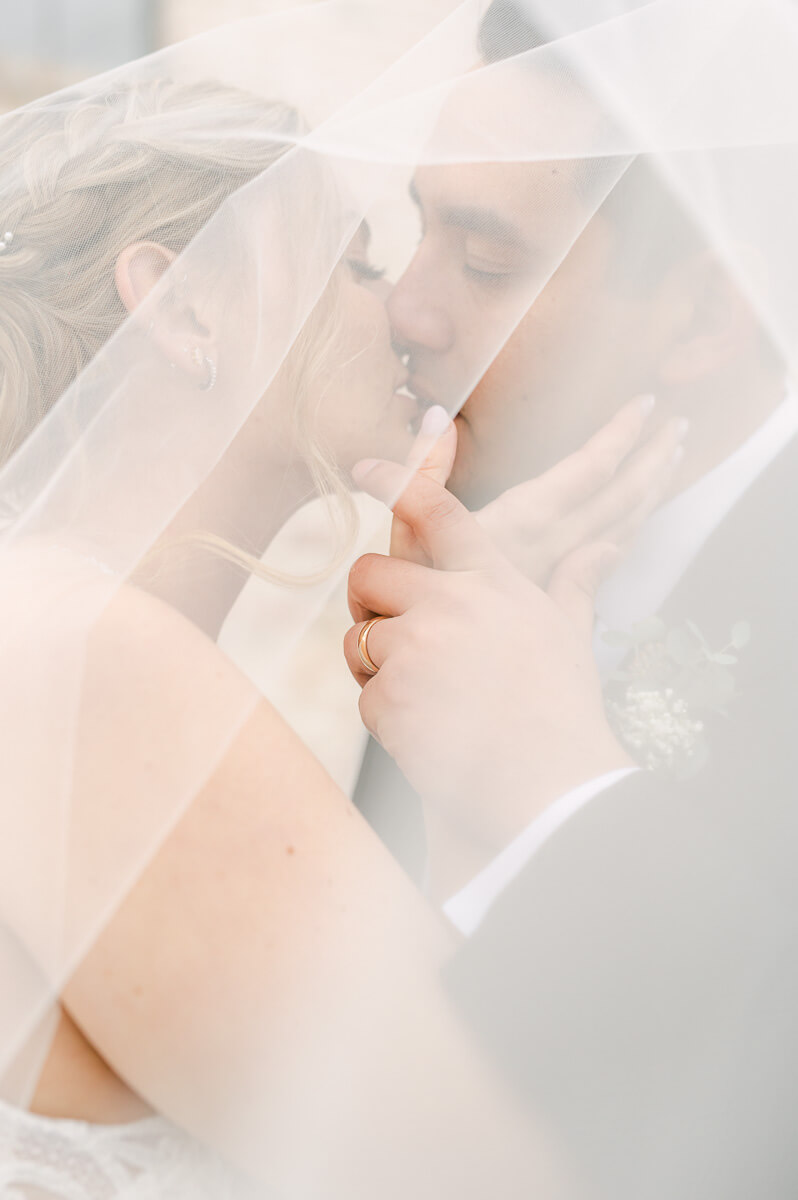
(667, 677)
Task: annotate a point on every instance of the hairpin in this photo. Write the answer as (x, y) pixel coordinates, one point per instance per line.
(5, 241)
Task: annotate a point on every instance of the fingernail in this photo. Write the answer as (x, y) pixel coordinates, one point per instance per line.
(678, 455)
(682, 425)
(436, 421)
(363, 468)
(647, 404)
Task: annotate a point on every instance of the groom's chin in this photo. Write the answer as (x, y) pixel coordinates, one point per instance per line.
(471, 480)
(471, 490)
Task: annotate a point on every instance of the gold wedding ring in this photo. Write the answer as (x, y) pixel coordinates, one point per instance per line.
(363, 645)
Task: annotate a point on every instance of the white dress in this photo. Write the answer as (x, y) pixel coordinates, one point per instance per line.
(151, 1159)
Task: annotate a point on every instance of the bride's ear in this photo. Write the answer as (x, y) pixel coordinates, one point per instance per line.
(138, 269)
(183, 339)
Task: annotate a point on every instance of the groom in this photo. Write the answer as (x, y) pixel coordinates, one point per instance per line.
(630, 955)
(638, 306)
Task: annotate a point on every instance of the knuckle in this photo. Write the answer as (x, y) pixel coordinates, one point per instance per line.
(457, 605)
(362, 569)
(367, 708)
(595, 465)
(363, 565)
(454, 610)
(531, 526)
(645, 473)
(526, 513)
(603, 465)
(416, 636)
(632, 489)
(552, 549)
(393, 688)
(441, 510)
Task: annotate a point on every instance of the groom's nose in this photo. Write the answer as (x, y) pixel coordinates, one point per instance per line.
(418, 311)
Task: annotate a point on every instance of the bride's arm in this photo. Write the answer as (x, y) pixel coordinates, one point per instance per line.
(270, 979)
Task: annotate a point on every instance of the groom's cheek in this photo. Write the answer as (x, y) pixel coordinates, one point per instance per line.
(490, 439)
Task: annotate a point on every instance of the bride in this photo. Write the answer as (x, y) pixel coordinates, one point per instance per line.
(78, 262)
(212, 927)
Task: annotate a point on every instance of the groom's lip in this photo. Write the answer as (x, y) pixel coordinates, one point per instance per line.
(427, 397)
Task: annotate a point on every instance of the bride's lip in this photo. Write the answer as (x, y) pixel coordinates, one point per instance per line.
(427, 397)
(410, 409)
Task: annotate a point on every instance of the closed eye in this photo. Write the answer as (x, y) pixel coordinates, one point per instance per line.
(364, 271)
(487, 276)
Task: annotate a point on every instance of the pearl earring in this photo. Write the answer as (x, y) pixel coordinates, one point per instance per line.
(202, 360)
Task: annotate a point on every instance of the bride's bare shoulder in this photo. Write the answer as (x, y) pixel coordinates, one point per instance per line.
(137, 669)
(144, 721)
(54, 597)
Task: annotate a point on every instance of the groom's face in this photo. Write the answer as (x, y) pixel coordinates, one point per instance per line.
(507, 308)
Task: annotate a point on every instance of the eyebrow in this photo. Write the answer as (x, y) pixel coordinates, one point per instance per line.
(474, 219)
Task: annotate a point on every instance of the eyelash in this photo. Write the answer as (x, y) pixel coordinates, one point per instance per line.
(489, 278)
(365, 271)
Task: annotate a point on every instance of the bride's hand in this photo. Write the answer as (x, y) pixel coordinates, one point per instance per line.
(435, 449)
(485, 690)
(604, 491)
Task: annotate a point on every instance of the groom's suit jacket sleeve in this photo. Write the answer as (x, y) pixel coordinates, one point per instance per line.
(639, 980)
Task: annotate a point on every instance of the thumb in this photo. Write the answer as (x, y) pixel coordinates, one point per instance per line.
(576, 581)
(435, 449)
(448, 534)
(436, 445)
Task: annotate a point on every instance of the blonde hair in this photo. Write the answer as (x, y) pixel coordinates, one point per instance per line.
(64, 168)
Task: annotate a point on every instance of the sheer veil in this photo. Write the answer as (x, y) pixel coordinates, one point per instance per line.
(165, 409)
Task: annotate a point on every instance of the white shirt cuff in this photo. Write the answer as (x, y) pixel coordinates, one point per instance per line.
(468, 907)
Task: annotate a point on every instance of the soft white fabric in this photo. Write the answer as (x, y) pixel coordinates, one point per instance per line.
(670, 541)
(44, 1159)
(675, 534)
(185, 417)
(467, 908)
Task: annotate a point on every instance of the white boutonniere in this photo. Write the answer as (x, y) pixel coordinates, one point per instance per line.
(670, 682)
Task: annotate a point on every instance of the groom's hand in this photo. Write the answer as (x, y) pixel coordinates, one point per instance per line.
(604, 491)
(486, 692)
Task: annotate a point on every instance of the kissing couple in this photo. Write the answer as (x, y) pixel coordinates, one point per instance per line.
(575, 661)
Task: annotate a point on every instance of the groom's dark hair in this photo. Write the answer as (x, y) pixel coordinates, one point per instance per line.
(641, 205)
(506, 31)
(640, 202)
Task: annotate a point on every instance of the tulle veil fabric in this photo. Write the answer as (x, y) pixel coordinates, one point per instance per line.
(363, 95)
